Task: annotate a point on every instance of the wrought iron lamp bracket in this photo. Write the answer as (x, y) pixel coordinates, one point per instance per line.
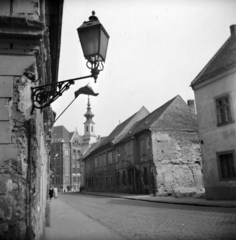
(43, 96)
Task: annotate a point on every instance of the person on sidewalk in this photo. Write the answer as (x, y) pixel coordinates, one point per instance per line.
(51, 192)
(55, 192)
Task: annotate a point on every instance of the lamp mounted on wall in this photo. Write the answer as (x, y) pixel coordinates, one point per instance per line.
(94, 42)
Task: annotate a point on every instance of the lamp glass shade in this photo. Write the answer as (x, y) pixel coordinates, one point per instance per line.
(94, 40)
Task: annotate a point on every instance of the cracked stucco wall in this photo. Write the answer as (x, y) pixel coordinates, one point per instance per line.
(178, 162)
(16, 191)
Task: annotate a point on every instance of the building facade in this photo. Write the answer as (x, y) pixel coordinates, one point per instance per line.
(100, 164)
(29, 56)
(215, 94)
(158, 152)
(67, 150)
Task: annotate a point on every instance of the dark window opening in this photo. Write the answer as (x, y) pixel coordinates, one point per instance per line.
(226, 164)
(118, 179)
(145, 175)
(124, 178)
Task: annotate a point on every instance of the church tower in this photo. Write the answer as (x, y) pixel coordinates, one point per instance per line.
(89, 133)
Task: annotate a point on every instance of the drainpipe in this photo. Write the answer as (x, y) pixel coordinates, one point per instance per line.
(28, 124)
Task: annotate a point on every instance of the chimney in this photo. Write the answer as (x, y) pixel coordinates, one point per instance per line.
(191, 105)
(233, 30)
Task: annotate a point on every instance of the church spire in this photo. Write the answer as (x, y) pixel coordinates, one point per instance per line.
(89, 132)
(89, 115)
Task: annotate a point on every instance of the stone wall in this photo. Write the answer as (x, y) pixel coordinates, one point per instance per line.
(23, 156)
(177, 157)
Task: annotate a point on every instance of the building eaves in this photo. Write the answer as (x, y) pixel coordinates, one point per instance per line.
(224, 59)
(115, 132)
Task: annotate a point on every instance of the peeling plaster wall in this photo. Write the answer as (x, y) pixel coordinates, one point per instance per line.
(25, 57)
(177, 157)
(23, 188)
(16, 191)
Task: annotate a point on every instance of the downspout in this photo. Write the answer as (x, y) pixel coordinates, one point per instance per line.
(30, 166)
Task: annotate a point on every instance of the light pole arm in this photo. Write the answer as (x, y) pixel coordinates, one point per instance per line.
(43, 96)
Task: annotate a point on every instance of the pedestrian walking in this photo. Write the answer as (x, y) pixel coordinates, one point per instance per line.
(51, 192)
(55, 193)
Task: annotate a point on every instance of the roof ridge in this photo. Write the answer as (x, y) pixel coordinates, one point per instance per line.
(221, 50)
(138, 126)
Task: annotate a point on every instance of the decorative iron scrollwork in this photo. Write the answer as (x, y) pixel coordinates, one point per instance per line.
(43, 96)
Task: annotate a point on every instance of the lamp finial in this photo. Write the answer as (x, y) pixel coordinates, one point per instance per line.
(93, 17)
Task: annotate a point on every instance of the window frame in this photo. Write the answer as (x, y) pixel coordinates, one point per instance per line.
(218, 154)
(230, 109)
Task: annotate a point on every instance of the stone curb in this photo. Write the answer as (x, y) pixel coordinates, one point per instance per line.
(167, 202)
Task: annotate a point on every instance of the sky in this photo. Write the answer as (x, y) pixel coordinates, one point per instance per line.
(156, 49)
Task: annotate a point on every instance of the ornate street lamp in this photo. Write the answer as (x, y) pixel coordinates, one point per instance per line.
(94, 41)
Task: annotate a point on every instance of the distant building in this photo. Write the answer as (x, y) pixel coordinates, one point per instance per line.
(67, 149)
(215, 94)
(149, 152)
(100, 162)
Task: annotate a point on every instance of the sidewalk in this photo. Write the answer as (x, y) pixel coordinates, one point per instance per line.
(69, 224)
(170, 200)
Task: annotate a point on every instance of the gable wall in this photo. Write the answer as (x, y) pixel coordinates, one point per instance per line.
(177, 158)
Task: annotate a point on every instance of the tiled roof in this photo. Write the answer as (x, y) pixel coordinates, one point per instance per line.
(116, 131)
(146, 122)
(222, 60)
(71, 135)
(124, 127)
(91, 148)
(61, 132)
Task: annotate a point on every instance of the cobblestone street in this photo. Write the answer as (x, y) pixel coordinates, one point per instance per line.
(141, 220)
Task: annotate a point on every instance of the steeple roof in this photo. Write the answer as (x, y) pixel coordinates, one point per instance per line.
(89, 115)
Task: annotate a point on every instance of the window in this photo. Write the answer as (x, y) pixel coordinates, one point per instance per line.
(95, 162)
(111, 181)
(224, 115)
(118, 179)
(100, 161)
(96, 181)
(110, 158)
(104, 159)
(66, 152)
(106, 182)
(87, 128)
(128, 149)
(124, 178)
(145, 175)
(143, 147)
(92, 128)
(226, 165)
(117, 155)
(74, 179)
